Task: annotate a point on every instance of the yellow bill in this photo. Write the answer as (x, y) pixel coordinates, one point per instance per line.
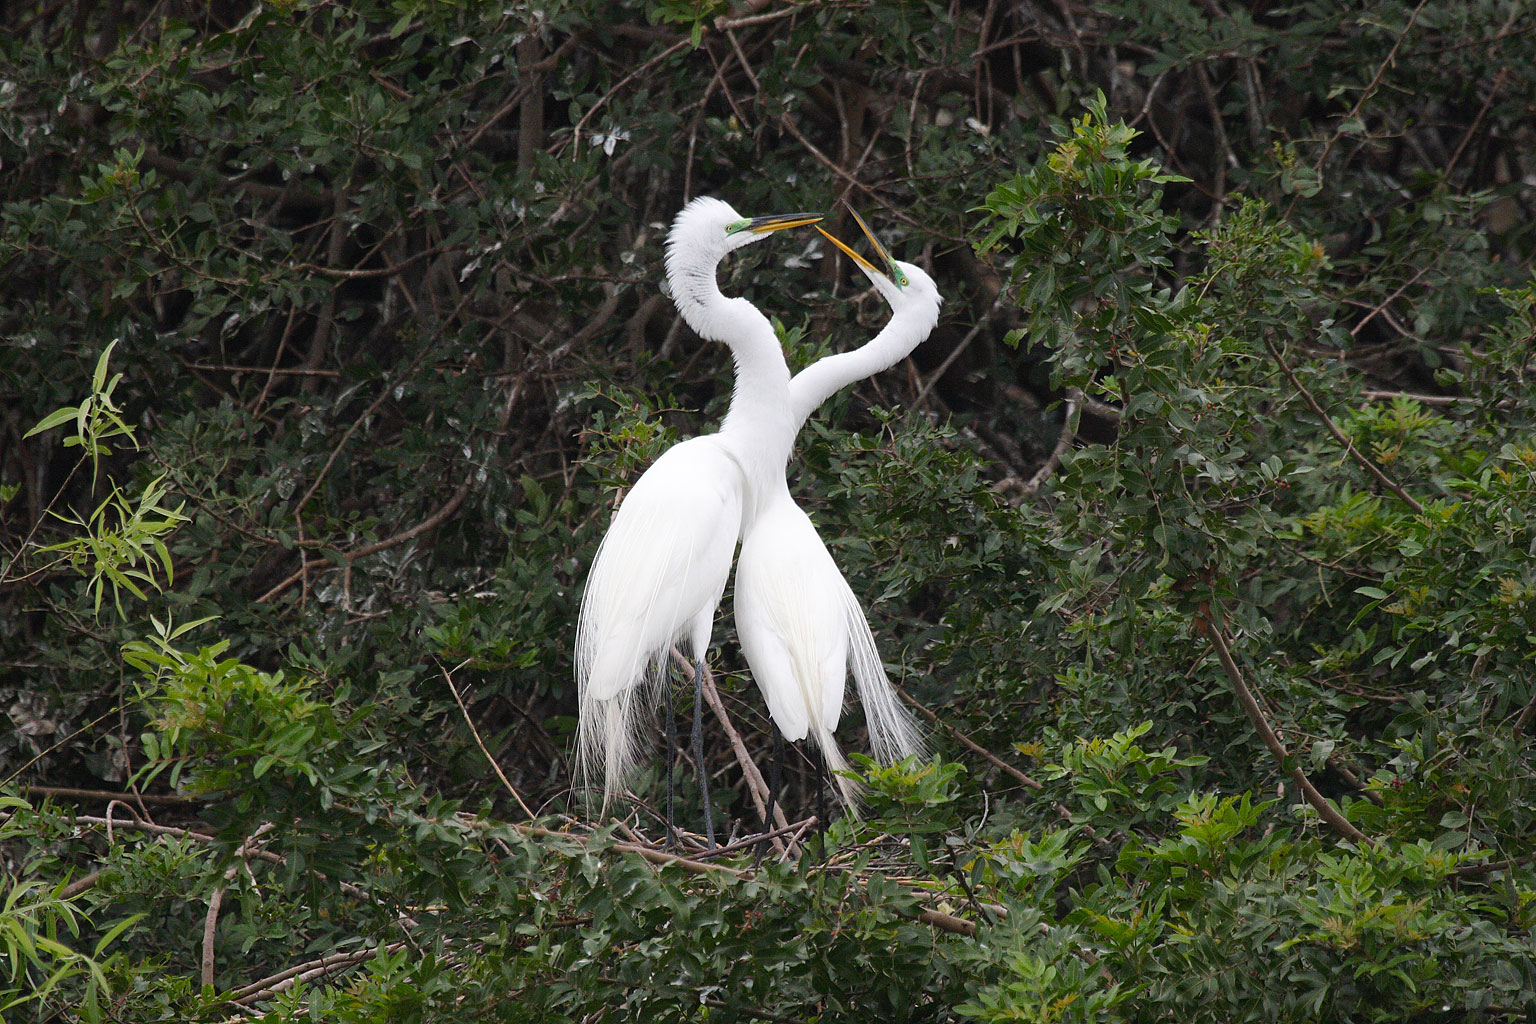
(774, 222)
(893, 270)
(860, 260)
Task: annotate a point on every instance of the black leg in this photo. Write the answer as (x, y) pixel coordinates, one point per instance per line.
(775, 782)
(698, 753)
(821, 795)
(773, 791)
(821, 786)
(666, 711)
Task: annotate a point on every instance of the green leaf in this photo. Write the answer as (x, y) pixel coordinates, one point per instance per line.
(99, 376)
(53, 419)
(114, 932)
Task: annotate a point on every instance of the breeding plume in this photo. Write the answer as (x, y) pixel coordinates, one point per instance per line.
(661, 568)
(801, 628)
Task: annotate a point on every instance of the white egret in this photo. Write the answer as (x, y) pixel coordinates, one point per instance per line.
(800, 626)
(658, 575)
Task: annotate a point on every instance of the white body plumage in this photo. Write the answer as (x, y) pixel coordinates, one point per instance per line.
(658, 575)
(800, 626)
(656, 581)
(660, 571)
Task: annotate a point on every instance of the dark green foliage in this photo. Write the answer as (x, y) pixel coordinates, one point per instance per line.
(332, 333)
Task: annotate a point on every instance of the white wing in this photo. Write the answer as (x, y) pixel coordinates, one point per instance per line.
(801, 629)
(658, 573)
(790, 620)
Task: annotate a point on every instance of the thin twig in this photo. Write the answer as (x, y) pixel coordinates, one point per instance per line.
(1491, 866)
(658, 857)
(59, 743)
(297, 371)
(721, 24)
(1349, 446)
(1345, 772)
(936, 918)
(1370, 89)
(448, 678)
(530, 75)
(1063, 443)
(753, 1014)
(1525, 717)
(1392, 396)
(1255, 713)
(364, 274)
(346, 435)
(752, 840)
(970, 744)
(284, 980)
(854, 183)
(71, 793)
(1498, 87)
(1026, 780)
(611, 93)
(1225, 156)
(1354, 331)
(430, 523)
(964, 343)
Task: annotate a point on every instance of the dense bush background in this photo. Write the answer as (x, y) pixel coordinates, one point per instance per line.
(1201, 524)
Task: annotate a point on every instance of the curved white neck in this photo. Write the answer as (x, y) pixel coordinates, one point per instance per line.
(830, 374)
(757, 424)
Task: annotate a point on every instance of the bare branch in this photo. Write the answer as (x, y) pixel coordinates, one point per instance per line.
(1370, 89)
(1063, 443)
(1255, 713)
(1333, 428)
(756, 786)
(970, 744)
(283, 980)
(448, 678)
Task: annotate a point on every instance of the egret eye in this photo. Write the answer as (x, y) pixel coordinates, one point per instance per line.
(738, 225)
(901, 279)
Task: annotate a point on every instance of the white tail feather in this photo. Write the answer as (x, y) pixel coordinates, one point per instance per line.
(613, 666)
(608, 746)
(605, 740)
(893, 733)
(847, 789)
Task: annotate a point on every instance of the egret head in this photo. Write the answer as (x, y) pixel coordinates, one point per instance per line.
(903, 285)
(708, 228)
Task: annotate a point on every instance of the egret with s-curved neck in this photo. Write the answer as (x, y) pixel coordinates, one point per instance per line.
(661, 568)
(800, 626)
